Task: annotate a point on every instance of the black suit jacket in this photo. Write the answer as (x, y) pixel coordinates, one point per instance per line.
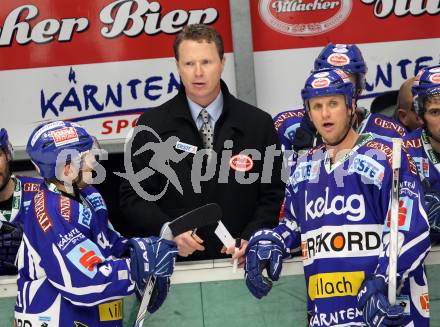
(246, 208)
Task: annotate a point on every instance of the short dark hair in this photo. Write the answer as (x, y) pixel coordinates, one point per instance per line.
(199, 32)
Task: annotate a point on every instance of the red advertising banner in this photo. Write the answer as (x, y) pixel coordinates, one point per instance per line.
(43, 33)
(397, 38)
(289, 24)
(101, 63)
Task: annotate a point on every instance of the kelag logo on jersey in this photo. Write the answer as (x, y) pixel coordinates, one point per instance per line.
(304, 17)
(341, 241)
(405, 214)
(86, 256)
(353, 206)
(368, 168)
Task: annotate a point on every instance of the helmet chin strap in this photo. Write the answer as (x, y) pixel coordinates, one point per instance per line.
(349, 126)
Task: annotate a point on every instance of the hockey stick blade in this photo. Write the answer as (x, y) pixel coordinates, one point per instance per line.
(200, 217)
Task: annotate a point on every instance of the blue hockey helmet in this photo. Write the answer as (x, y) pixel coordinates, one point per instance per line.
(426, 85)
(328, 82)
(347, 57)
(5, 145)
(49, 140)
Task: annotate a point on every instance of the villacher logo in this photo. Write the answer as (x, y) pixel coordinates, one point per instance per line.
(304, 17)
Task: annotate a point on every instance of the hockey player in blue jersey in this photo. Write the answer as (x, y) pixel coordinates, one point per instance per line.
(423, 144)
(16, 193)
(300, 134)
(337, 209)
(348, 57)
(74, 269)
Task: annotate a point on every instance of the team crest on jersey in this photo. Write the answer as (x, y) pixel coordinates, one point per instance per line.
(405, 214)
(86, 256)
(370, 170)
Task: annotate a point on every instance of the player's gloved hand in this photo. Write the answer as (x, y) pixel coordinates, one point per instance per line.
(264, 251)
(432, 202)
(151, 256)
(377, 310)
(160, 292)
(10, 240)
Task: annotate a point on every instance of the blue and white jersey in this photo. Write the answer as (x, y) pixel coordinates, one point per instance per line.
(338, 215)
(68, 273)
(428, 163)
(382, 127)
(24, 191)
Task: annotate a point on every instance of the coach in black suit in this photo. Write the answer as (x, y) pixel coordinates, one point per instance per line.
(204, 107)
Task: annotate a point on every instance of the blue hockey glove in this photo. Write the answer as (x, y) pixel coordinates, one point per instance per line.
(10, 240)
(376, 309)
(151, 256)
(160, 292)
(264, 251)
(432, 201)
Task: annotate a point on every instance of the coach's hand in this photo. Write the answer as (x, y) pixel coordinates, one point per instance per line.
(188, 243)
